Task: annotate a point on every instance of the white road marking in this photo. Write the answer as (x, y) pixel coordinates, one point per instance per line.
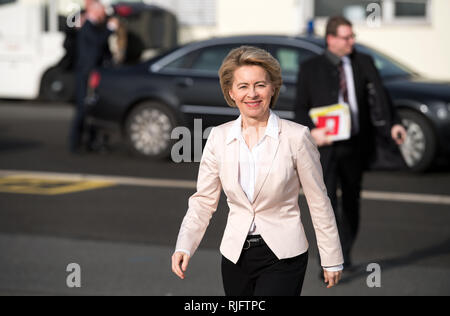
(187, 184)
(406, 197)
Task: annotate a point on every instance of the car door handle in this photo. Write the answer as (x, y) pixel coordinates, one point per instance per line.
(184, 82)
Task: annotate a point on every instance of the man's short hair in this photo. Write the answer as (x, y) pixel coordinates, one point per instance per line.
(333, 24)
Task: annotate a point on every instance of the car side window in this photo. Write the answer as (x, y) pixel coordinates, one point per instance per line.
(386, 65)
(210, 59)
(207, 59)
(7, 1)
(290, 59)
(183, 62)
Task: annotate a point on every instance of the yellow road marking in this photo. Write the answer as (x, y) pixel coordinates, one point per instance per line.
(29, 184)
(401, 197)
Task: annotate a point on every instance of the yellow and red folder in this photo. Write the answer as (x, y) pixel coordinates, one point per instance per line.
(336, 118)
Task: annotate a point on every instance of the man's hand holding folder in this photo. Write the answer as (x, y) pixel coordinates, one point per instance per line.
(333, 123)
(321, 137)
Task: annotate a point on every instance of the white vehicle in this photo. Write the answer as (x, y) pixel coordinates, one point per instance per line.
(32, 35)
(30, 43)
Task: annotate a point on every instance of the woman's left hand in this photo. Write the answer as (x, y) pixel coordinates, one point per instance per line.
(332, 278)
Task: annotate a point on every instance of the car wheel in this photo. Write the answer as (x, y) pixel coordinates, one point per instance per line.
(148, 130)
(419, 149)
(58, 85)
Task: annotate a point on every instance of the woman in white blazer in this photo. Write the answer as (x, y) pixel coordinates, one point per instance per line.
(261, 162)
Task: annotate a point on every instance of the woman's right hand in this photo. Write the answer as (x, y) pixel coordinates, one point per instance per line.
(180, 261)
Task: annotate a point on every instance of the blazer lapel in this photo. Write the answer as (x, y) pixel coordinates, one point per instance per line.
(232, 171)
(267, 156)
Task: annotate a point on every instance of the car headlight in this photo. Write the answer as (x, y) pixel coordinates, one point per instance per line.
(442, 111)
(424, 108)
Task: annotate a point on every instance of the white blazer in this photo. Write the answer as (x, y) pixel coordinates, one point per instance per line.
(291, 162)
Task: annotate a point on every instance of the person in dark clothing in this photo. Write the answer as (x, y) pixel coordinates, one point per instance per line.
(92, 51)
(343, 75)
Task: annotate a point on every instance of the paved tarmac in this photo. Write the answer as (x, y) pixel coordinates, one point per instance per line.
(122, 235)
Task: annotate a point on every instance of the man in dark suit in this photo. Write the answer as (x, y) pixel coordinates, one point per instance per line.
(342, 75)
(92, 51)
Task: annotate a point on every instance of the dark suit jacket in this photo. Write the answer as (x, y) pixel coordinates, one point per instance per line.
(318, 85)
(92, 51)
(92, 47)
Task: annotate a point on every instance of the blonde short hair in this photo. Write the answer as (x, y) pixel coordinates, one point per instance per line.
(247, 56)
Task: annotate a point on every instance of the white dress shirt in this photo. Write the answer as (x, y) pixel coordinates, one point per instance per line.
(250, 162)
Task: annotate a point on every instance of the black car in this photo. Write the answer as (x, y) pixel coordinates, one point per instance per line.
(148, 100)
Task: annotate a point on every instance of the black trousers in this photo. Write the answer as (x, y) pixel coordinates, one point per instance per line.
(79, 127)
(345, 169)
(260, 273)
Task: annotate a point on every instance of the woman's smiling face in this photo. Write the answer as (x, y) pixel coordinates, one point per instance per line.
(252, 91)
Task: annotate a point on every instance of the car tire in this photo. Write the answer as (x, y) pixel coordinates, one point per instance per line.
(58, 85)
(148, 129)
(420, 148)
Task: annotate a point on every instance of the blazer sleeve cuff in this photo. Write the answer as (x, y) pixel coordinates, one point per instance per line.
(184, 251)
(334, 268)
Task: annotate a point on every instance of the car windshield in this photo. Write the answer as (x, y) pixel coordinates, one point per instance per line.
(387, 66)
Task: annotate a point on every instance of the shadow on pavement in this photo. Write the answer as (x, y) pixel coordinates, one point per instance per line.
(18, 144)
(359, 271)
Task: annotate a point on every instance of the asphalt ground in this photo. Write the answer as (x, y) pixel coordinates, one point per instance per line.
(122, 233)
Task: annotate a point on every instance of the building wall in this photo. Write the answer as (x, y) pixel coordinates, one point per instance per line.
(243, 17)
(256, 16)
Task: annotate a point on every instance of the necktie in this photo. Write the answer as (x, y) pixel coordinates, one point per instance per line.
(343, 82)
